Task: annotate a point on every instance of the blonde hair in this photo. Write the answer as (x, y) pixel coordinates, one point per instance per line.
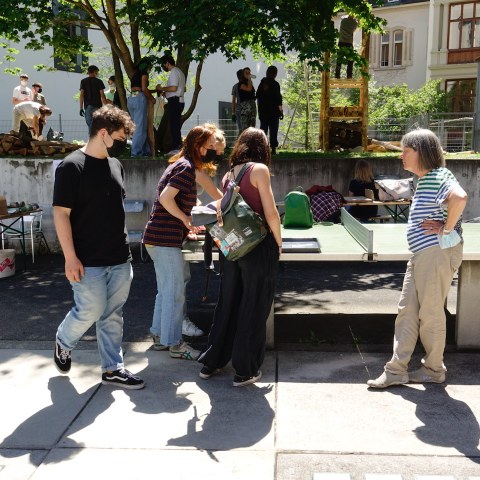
(363, 171)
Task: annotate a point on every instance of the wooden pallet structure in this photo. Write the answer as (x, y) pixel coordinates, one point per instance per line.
(343, 126)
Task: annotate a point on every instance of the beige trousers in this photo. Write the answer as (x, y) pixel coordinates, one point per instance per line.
(421, 308)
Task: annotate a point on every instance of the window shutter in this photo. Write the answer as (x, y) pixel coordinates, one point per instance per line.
(407, 47)
(374, 50)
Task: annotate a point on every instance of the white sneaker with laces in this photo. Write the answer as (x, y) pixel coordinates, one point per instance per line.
(189, 329)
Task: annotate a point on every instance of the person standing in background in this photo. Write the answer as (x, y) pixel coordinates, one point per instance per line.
(348, 25)
(248, 107)
(112, 94)
(138, 104)
(174, 93)
(92, 95)
(37, 89)
(38, 97)
(236, 100)
(270, 109)
(22, 93)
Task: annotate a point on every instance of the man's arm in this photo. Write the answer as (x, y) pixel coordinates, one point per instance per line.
(35, 125)
(103, 97)
(82, 96)
(74, 270)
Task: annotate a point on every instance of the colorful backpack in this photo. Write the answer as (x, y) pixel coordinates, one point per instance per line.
(298, 213)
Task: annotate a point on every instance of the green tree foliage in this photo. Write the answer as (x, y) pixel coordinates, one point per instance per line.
(194, 29)
(400, 103)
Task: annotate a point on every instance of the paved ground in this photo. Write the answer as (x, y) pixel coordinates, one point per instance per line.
(310, 417)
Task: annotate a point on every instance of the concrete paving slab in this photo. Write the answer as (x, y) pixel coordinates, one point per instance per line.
(38, 404)
(173, 464)
(20, 464)
(177, 409)
(303, 466)
(324, 406)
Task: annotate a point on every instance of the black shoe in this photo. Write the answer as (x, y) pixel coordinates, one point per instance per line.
(239, 381)
(207, 372)
(63, 358)
(274, 151)
(123, 378)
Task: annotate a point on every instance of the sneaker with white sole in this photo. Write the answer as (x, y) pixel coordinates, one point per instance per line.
(184, 351)
(157, 345)
(207, 372)
(123, 378)
(189, 329)
(62, 358)
(239, 381)
(387, 379)
(425, 375)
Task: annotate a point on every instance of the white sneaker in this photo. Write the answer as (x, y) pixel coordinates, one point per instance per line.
(189, 329)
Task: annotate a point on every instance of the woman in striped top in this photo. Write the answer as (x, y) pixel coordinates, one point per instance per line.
(169, 224)
(434, 237)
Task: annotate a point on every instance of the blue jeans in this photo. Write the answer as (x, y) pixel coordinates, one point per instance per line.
(138, 108)
(170, 300)
(99, 298)
(89, 109)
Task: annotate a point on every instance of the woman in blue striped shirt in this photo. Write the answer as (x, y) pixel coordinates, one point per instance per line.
(434, 235)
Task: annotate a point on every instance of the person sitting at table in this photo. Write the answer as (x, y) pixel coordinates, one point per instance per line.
(362, 180)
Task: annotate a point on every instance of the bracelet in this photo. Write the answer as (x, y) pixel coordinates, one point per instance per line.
(446, 232)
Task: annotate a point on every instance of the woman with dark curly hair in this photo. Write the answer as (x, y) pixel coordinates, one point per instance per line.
(248, 284)
(169, 224)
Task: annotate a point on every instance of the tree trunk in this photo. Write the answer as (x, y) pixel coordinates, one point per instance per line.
(119, 80)
(196, 91)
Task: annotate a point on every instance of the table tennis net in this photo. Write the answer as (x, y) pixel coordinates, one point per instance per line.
(358, 231)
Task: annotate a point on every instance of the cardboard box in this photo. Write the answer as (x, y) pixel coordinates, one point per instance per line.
(3, 205)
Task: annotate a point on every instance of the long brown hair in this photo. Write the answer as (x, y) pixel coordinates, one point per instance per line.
(363, 171)
(196, 138)
(251, 146)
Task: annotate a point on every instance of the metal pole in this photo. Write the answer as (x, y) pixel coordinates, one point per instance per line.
(60, 122)
(476, 114)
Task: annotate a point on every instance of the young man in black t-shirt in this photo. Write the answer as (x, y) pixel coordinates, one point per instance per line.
(92, 95)
(90, 222)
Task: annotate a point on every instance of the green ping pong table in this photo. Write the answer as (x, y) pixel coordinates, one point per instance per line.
(356, 242)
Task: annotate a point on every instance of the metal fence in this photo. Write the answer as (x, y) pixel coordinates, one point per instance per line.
(455, 130)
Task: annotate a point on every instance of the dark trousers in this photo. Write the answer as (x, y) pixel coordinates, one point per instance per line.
(338, 67)
(174, 111)
(270, 124)
(239, 323)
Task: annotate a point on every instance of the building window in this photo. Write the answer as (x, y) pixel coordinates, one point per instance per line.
(397, 48)
(463, 32)
(392, 49)
(461, 95)
(385, 50)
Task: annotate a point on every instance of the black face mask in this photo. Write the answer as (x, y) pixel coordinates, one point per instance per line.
(210, 156)
(218, 158)
(117, 148)
(40, 90)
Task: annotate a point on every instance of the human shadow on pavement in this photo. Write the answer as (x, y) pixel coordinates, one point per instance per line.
(447, 422)
(238, 417)
(49, 425)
